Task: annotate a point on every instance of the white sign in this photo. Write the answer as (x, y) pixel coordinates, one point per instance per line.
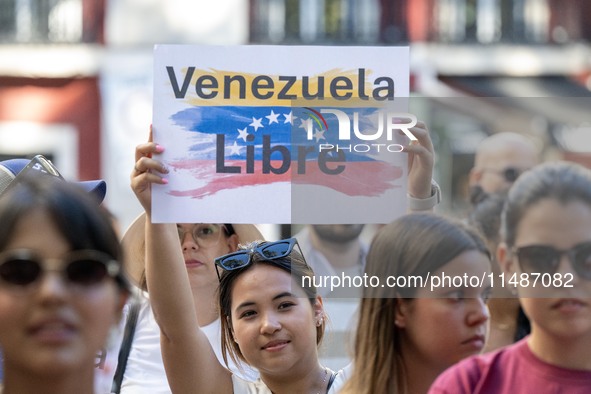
(281, 134)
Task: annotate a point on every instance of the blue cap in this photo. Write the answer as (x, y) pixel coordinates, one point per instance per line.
(9, 169)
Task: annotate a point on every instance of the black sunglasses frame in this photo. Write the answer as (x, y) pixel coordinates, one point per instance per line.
(245, 255)
(112, 268)
(556, 255)
(510, 174)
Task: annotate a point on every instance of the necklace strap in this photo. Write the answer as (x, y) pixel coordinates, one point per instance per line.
(333, 376)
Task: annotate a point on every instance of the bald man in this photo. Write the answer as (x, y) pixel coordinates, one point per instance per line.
(500, 159)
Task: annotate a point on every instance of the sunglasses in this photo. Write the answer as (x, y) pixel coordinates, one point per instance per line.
(83, 268)
(546, 259)
(510, 174)
(38, 165)
(269, 250)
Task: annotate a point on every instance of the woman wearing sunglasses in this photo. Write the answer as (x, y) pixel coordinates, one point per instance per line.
(408, 333)
(269, 320)
(272, 320)
(61, 286)
(546, 253)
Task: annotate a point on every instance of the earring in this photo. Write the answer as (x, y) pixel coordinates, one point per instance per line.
(319, 321)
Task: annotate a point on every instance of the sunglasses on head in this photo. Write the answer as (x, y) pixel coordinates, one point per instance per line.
(43, 165)
(268, 250)
(39, 165)
(546, 259)
(22, 268)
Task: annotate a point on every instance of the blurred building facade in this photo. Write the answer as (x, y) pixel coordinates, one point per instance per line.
(76, 75)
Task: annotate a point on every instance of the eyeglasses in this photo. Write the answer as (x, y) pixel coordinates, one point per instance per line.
(510, 174)
(205, 235)
(546, 259)
(268, 250)
(38, 165)
(84, 268)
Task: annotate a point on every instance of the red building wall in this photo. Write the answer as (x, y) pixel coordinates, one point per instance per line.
(73, 101)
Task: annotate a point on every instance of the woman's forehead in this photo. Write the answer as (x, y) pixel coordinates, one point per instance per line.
(551, 219)
(264, 281)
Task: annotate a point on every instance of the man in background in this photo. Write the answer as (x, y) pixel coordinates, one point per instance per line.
(332, 249)
(499, 160)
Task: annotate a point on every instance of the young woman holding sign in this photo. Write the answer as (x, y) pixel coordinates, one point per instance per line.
(271, 322)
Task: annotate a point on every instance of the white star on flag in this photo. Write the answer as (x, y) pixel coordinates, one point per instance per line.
(306, 124)
(235, 149)
(256, 123)
(272, 117)
(319, 135)
(289, 118)
(242, 134)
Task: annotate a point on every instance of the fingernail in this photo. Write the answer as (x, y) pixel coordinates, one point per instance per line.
(159, 148)
(164, 181)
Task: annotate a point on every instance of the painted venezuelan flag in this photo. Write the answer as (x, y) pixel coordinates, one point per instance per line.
(228, 150)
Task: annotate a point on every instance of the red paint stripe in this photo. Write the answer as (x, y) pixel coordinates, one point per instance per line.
(358, 179)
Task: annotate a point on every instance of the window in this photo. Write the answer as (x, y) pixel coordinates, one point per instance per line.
(50, 21)
(315, 21)
(491, 21)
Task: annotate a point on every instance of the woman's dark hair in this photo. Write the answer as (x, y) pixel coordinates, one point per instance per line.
(562, 181)
(485, 216)
(78, 218)
(294, 264)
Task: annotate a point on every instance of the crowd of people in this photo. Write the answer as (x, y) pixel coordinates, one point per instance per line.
(215, 308)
